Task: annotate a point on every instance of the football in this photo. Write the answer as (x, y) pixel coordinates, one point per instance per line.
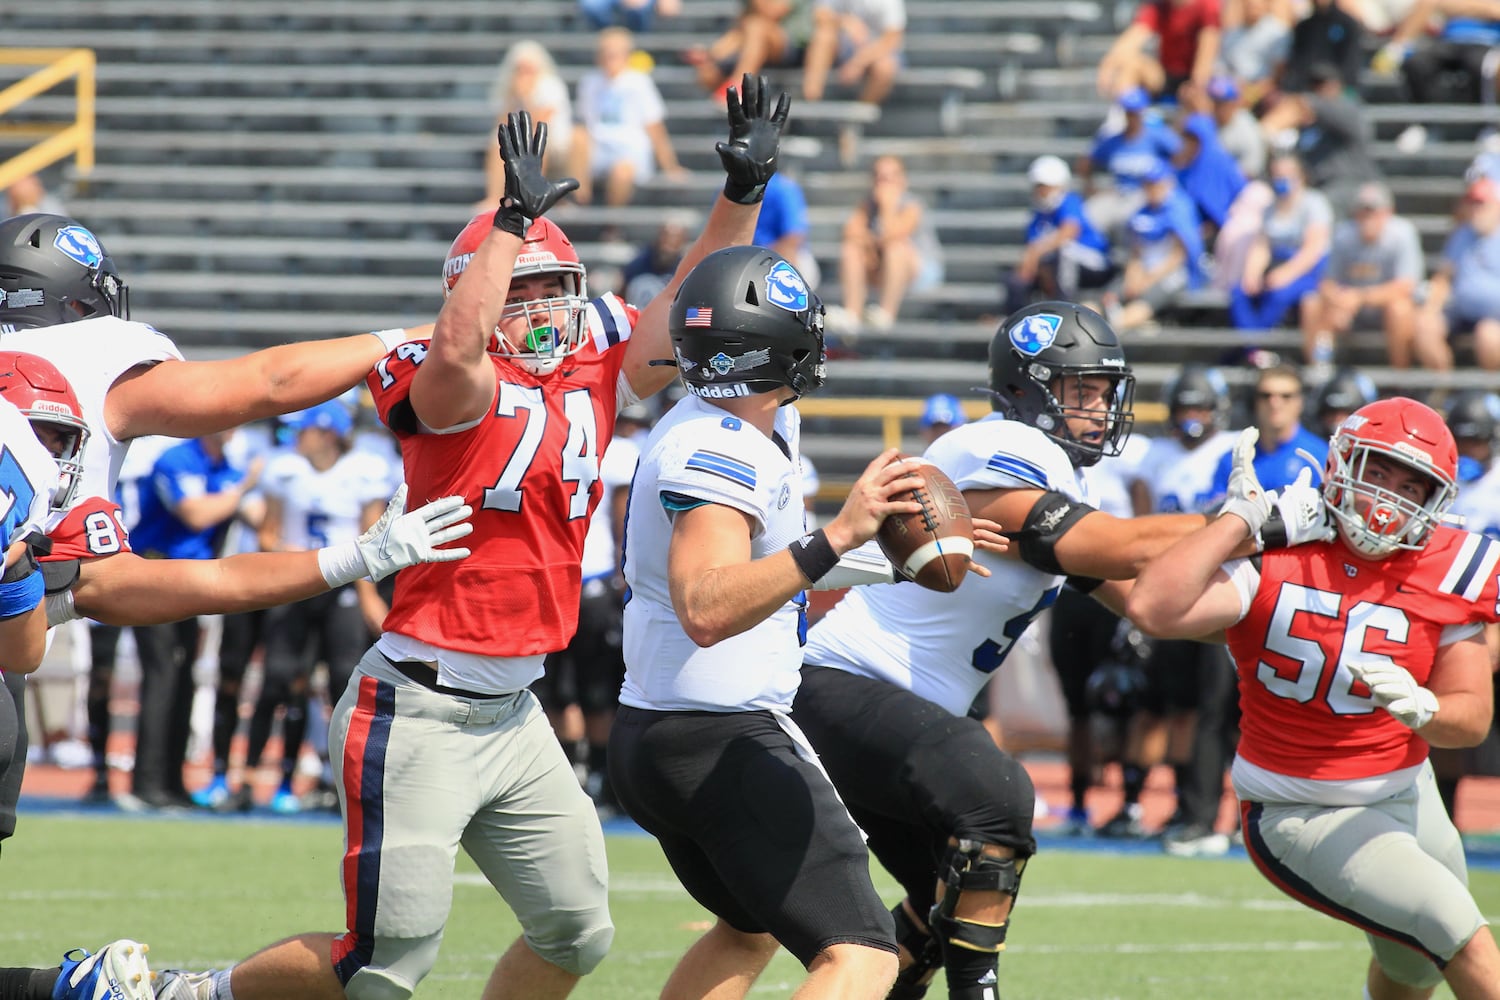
(933, 548)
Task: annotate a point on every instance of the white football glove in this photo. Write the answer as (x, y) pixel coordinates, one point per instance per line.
(399, 540)
(1396, 691)
(1246, 498)
(1300, 516)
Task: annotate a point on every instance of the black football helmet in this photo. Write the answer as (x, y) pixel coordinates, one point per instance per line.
(745, 322)
(53, 270)
(1048, 341)
(1198, 387)
(1475, 415)
(1345, 391)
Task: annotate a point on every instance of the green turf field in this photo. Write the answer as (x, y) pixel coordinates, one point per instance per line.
(1090, 925)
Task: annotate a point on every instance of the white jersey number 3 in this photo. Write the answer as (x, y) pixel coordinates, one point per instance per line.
(580, 455)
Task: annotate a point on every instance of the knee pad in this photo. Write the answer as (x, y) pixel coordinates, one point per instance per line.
(373, 984)
(966, 867)
(580, 954)
(911, 983)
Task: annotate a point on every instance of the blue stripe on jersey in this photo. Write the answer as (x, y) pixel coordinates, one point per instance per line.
(718, 464)
(1018, 467)
(1484, 556)
(609, 323)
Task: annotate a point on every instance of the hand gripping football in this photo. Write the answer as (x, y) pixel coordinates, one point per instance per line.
(933, 547)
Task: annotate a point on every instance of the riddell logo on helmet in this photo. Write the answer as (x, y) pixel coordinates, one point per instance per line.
(536, 258)
(729, 391)
(51, 406)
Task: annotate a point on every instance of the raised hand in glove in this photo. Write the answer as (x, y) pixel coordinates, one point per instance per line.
(528, 193)
(399, 540)
(749, 157)
(1246, 498)
(1300, 515)
(1396, 691)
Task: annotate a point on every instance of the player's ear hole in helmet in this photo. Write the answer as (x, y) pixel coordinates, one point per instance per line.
(745, 322)
(54, 270)
(1391, 476)
(1041, 360)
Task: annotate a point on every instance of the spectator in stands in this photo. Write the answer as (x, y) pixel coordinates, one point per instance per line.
(889, 243)
(783, 226)
(1286, 261)
(940, 414)
(633, 15)
(1257, 35)
(1126, 155)
(653, 267)
(1165, 247)
(1332, 135)
(1187, 34)
(1064, 253)
(1239, 131)
(195, 493)
(1464, 292)
(771, 33)
(864, 37)
(1451, 67)
(527, 80)
(28, 195)
(1329, 35)
(1371, 281)
(1206, 171)
(624, 136)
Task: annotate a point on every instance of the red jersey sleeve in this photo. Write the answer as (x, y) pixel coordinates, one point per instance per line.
(390, 384)
(91, 530)
(1149, 16)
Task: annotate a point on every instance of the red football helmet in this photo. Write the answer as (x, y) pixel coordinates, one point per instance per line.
(1373, 520)
(35, 387)
(546, 250)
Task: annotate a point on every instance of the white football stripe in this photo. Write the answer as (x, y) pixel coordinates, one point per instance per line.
(935, 548)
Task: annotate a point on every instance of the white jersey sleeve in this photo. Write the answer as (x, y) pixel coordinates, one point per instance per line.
(92, 354)
(945, 647)
(698, 454)
(28, 477)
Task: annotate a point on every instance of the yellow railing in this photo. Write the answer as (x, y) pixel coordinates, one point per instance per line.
(891, 412)
(56, 140)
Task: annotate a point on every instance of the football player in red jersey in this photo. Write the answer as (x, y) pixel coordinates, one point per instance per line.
(1355, 655)
(437, 741)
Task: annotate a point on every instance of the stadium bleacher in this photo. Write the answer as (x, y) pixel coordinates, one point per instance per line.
(291, 168)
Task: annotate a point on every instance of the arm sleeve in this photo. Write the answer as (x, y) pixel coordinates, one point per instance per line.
(1246, 579)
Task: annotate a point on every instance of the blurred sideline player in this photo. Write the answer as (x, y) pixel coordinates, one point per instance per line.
(512, 403)
(891, 671)
(318, 493)
(1345, 391)
(1184, 677)
(90, 570)
(1355, 655)
(703, 755)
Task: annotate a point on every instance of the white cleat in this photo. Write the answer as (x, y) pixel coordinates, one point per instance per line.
(118, 971)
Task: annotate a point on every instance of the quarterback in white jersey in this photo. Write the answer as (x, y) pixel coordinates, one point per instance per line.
(702, 753)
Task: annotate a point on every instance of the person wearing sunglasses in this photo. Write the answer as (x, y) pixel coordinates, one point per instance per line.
(1285, 447)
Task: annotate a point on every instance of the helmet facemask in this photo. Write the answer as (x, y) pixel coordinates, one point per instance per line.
(1116, 418)
(1389, 521)
(546, 343)
(69, 457)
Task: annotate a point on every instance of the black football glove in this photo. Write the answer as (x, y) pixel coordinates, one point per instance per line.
(749, 157)
(528, 194)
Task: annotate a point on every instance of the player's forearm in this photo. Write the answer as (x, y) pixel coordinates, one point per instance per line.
(1462, 720)
(209, 510)
(1170, 586)
(456, 381)
(153, 592)
(728, 600)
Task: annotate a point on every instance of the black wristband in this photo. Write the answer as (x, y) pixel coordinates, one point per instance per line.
(510, 220)
(813, 555)
(23, 568)
(742, 194)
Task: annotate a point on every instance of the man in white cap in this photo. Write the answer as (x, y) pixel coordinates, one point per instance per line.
(1064, 252)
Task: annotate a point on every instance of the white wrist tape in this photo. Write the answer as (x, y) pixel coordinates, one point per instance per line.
(858, 568)
(341, 564)
(392, 338)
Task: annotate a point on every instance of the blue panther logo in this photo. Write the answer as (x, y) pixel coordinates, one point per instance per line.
(77, 243)
(785, 288)
(1035, 333)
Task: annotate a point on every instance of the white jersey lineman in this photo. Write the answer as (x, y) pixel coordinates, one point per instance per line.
(700, 454)
(1181, 480)
(92, 354)
(600, 553)
(28, 477)
(944, 647)
(1478, 503)
(320, 508)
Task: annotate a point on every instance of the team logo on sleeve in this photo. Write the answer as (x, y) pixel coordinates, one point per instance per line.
(1035, 333)
(785, 288)
(79, 244)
